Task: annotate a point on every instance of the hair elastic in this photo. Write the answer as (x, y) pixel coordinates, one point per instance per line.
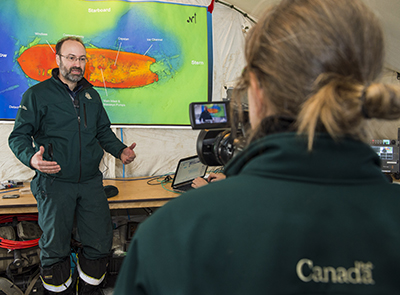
(362, 98)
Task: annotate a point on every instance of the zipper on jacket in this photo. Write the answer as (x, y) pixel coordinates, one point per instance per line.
(75, 103)
(80, 151)
(76, 108)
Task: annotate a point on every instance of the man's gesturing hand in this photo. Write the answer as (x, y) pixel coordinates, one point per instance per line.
(128, 155)
(49, 167)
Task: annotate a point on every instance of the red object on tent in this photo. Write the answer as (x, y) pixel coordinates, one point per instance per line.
(211, 7)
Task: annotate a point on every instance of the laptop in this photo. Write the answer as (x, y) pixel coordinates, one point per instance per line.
(187, 170)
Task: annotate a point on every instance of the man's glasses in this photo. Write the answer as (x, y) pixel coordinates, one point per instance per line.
(73, 58)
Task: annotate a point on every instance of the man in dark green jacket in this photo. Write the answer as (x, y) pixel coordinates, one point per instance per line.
(60, 131)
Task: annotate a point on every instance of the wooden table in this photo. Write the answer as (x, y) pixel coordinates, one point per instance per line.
(133, 193)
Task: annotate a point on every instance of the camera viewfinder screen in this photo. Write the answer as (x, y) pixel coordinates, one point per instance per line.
(213, 113)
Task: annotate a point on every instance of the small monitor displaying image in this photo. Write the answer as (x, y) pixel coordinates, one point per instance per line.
(384, 152)
(209, 115)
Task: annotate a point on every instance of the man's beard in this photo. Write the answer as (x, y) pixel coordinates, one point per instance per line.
(71, 77)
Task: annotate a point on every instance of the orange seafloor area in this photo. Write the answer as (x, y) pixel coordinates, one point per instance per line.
(105, 67)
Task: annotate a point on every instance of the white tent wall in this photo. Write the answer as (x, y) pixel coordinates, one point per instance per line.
(158, 149)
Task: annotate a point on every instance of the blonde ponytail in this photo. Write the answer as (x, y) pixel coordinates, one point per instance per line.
(341, 106)
(335, 107)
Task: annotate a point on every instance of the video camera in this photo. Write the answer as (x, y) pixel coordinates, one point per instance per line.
(216, 143)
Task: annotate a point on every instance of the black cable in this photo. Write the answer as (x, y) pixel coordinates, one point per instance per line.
(235, 8)
(149, 182)
(167, 178)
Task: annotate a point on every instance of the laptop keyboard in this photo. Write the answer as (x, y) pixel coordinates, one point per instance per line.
(184, 187)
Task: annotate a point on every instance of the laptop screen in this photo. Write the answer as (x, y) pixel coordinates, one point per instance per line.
(188, 169)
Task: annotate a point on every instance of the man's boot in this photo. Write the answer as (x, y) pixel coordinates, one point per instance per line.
(70, 291)
(91, 274)
(57, 278)
(87, 289)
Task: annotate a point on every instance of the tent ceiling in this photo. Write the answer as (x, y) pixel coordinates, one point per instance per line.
(388, 11)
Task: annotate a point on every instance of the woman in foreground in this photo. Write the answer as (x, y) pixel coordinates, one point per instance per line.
(305, 208)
